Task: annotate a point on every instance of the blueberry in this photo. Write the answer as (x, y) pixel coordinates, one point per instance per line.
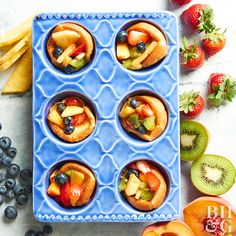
(61, 107)
(26, 175)
(30, 233)
(47, 229)
(5, 143)
(27, 189)
(18, 189)
(22, 199)
(3, 189)
(57, 52)
(10, 195)
(11, 152)
(40, 233)
(61, 178)
(11, 212)
(10, 183)
(68, 120)
(13, 170)
(141, 46)
(141, 129)
(69, 129)
(5, 160)
(2, 176)
(134, 103)
(132, 171)
(69, 70)
(1, 152)
(121, 36)
(1, 200)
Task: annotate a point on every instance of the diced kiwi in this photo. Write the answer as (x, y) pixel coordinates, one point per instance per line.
(77, 64)
(123, 184)
(212, 174)
(193, 140)
(134, 53)
(149, 123)
(147, 194)
(134, 120)
(127, 63)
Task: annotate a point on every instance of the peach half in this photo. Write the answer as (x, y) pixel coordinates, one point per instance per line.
(172, 228)
(209, 216)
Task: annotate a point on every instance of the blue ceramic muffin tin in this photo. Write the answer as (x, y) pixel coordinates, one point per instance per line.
(104, 84)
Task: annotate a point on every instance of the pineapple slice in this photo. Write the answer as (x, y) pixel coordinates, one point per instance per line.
(72, 111)
(55, 118)
(66, 61)
(66, 53)
(65, 38)
(126, 112)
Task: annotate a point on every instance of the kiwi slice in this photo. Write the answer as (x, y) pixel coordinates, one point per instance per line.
(193, 140)
(212, 174)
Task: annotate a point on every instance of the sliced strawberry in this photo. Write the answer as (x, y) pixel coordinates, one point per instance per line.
(135, 37)
(72, 101)
(79, 119)
(78, 50)
(133, 166)
(142, 177)
(143, 166)
(147, 110)
(65, 194)
(152, 181)
(75, 193)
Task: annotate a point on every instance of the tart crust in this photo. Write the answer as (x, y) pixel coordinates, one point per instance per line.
(157, 199)
(85, 38)
(160, 114)
(89, 182)
(161, 48)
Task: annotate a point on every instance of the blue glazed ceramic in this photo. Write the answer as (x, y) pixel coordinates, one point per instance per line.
(104, 84)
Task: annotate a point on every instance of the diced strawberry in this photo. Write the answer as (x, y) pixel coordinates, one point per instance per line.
(133, 166)
(127, 124)
(65, 194)
(78, 119)
(147, 111)
(72, 101)
(143, 166)
(142, 177)
(135, 37)
(78, 50)
(152, 181)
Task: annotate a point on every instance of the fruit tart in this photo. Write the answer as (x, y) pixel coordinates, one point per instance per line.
(71, 119)
(70, 47)
(143, 185)
(140, 45)
(72, 185)
(144, 116)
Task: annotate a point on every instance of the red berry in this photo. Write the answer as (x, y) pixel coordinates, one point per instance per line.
(152, 181)
(78, 50)
(65, 194)
(72, 101)
(135, 37)
(180, 2)
(78, 119)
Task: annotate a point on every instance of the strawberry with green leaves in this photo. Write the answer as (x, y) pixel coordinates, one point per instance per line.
(198, 18)
(191, 104)
(213, 42)
(221, 88)
(192, 56)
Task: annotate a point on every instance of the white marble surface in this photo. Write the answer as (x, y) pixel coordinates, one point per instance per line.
(15, 111)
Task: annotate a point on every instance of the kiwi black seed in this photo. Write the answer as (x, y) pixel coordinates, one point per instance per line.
(212, 174)
(193, 140)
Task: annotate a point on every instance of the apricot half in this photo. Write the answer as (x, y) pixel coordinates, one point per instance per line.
(209, 216)
(172, 228)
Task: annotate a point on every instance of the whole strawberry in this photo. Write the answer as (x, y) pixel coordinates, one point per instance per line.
(198, 17)
(180, 2)
(214, 42)
(191, 104)
(221, 88)
(192, 56)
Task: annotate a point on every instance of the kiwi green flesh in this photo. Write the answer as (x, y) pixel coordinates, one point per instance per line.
(193, 140)
(212, 174)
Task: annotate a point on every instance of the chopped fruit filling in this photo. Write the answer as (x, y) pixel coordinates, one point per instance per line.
(135, 37)
(68, 114)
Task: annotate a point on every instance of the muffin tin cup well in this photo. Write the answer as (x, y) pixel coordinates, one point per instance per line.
(104, 84)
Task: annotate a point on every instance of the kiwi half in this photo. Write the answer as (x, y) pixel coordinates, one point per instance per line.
(212, 174)
(193, 140)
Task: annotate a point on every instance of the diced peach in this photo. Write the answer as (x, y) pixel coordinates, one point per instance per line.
(152, 181)
(172, 228)
(53, 189)
(122, 51)
(75, 193)
(135, 37)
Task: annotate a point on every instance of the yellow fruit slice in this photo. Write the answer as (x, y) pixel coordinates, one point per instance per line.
(66, 53)
(21, 79)
(65, 38)
(132, 185)
(54, 189)
(66, 61)
(122, 51)
(55, 118)
(76, 178)
(72, 111)
(126, 112)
